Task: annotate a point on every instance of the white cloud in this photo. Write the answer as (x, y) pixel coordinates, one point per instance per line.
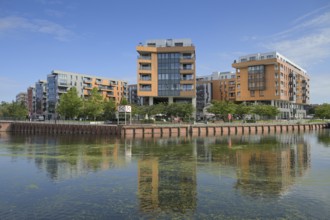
(306, 50)
(319, 89)
(34, 25)
(297, 20)
(307, 43)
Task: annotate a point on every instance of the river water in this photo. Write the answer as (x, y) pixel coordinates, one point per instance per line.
(282, 176)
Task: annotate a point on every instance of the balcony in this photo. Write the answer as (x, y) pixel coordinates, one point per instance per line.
(62, 91)
(186, 71)
(113, 83)
(145, 68)
(98, 81)
(145, 88)
(145, 78)
(144, 57)
(187, 77)
(106, 87)
(87, 87)
(87, 80)
(63, 85)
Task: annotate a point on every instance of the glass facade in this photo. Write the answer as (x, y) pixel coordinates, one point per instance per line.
(51, 80)
(169, 74)
(256, 78)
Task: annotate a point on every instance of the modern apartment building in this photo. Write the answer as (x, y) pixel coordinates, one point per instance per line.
(59, 82)
(166, 71)
(31, 101)
(132, 96)
(223, 86)
(21, 97)
(203, 95)
(41, 98)
(218, 86)
(271, 78)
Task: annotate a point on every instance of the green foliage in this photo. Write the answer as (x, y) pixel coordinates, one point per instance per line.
(183, 110)
(323, 111)
(109, 108)
(265, 110)
(93, 105)
(70, 104)
(124, 101)
(222, 108)
(13, 110)
(243, 109)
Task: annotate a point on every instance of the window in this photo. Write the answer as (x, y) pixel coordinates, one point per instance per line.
(187, 87)
(238, 94)
(252, 93)
(256, 78)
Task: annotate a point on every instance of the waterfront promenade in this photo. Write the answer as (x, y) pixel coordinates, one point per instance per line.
(158, 130)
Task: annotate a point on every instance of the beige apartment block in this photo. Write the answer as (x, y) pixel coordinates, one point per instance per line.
(166, 71)
(271, 78)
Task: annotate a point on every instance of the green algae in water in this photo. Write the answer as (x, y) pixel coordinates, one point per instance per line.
(32, 186)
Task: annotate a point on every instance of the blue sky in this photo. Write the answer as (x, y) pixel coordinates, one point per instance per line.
(99, 37)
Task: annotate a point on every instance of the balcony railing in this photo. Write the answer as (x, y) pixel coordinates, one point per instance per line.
(145, 68)
(145, 78)
(145, 88)
(87, 80)
(186, 57)
(187, 78)
(144, 57)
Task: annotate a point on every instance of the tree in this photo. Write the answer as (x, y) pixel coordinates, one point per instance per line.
(14, 110)
(222, 108)
(323, 111)
(124, 101)
(109, 107)
(70, 104)
(93, 106)
(265, 110)
(183, 110)
(242, 110)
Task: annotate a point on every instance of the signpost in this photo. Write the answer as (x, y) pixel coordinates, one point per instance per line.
(125, 109)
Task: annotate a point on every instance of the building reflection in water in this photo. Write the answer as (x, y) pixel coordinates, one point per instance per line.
(167, 168)
(65, 157)
(265, 165)
(166, 175)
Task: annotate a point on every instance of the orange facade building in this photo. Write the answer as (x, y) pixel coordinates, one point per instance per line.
(223, 86)
(271, 78)
(166, 71)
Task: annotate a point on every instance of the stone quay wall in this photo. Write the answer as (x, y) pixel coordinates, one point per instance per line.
(214, 129)
(183, 130)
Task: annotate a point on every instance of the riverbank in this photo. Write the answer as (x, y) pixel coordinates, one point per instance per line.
(158, 130)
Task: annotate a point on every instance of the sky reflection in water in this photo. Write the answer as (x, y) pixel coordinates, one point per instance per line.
(256, 176)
